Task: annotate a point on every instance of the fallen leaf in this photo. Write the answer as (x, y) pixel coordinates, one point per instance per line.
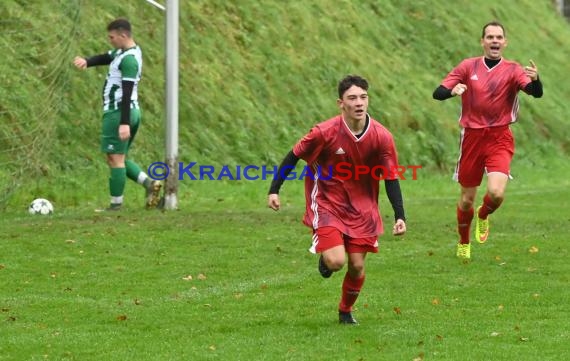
(497, 258)
(2, 266)
(501, 307)
(71, 241)
(201, 277)
(137, 301)
(420, 357)
(237, 296)
(439, 337)
(435, 301)
(494, 334)
(536, 295)
(187, 278)
(122, 318)
(398, 310)
(212, 348)
(533, 249)
(524, 339)
(502, 263)
(53, 275)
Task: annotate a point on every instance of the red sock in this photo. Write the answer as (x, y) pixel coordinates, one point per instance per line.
(350, 291)
(464, 219)
(489, 206)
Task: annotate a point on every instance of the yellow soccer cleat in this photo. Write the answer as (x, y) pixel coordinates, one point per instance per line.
(464, 250)
(481, 228)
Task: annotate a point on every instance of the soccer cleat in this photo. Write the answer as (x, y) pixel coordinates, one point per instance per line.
(323, 269)
(345, 318)
(481, 228)
(464, 250)
(153, 194)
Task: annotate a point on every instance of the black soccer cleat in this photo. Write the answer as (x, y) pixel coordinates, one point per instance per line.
(345, 318)
(323, 269)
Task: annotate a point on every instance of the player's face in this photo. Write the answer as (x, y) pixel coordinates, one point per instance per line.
(493, 42)
(117, 39)
(354, 103)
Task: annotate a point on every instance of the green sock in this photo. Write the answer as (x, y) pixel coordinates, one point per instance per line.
(133, 170)
(117, 181)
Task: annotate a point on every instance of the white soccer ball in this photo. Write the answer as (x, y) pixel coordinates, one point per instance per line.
(40, 206)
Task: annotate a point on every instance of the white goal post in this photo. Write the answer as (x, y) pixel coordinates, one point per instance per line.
(171, 142)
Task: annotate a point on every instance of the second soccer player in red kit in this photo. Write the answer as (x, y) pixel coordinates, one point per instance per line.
(488, 86)
(343, 214)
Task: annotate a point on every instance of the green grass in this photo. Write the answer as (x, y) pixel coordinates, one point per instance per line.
(86, 286)
(255, 75)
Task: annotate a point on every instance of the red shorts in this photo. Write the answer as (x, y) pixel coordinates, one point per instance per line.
(482, 151)
(328, 237)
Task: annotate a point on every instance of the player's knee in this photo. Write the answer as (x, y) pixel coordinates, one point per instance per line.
(356, 270)
(497, 194)
(465, 203)
(335, 263)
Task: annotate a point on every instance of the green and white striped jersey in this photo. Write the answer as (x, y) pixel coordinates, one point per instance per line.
(126, 65)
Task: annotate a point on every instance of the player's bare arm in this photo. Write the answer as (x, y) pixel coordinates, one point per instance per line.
(124, 132)
(273, 202)
(80, 62)
(458, 89)
(399, 228)
(531, 71)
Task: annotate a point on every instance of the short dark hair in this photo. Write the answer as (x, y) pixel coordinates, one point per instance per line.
(493, 23)
(120, 25)
(349, 81)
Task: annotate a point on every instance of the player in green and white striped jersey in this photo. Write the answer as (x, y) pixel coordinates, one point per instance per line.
(121, 111)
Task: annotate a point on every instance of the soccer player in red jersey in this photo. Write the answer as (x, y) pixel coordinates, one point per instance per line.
(488, 86)
(343, 211)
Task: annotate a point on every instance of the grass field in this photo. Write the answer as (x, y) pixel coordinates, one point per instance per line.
(224, 278)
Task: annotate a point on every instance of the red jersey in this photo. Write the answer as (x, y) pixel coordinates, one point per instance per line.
(491, 96)
(346, 203)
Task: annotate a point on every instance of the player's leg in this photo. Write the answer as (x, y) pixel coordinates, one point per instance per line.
(329, 242)
(465, 212)
(117, 179)
(351, 286)
(464, 219)
(135, 173)
(357, 250)
(469, 173)
(496, 187)
(115, 150)
(501, 150)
